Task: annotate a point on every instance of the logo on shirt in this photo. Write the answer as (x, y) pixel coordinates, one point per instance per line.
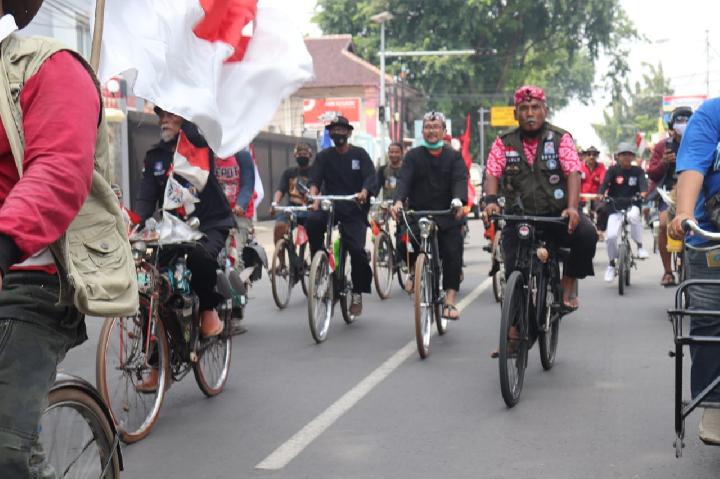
(559, 194)
(632, 181)
(554, 179)
(159, 168)
(552, 164)
(355, 164)
(549, 148)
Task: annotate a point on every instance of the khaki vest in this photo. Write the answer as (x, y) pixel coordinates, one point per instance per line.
(93, 257)
(542, 187)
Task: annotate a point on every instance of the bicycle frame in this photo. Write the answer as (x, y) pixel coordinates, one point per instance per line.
(292, 216)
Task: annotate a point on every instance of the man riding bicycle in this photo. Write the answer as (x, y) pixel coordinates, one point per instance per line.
(344, 170)
(698, 189)
(593, 174)
(622, 183)
(662, 171)
(432, 177)
(537, 169)
(289, 185)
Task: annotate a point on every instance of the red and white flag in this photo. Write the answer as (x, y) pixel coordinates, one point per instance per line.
(225, 65)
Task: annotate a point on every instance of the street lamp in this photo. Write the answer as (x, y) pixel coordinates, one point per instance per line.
(381, 18)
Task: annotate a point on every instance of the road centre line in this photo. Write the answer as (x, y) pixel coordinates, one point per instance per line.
(289, 450)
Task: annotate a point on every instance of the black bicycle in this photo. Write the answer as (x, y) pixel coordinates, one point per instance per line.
(291, 259)
(386, 262)
(77, 436)
(330, 279)
(625, 260)
(427, 277)
(532, 305)
(676, 316)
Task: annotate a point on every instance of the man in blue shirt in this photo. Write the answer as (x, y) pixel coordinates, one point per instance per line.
(698, 162)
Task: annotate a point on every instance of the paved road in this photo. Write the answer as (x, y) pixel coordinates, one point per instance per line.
(604, 411)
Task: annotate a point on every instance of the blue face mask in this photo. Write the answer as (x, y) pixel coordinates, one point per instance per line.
(433, 146)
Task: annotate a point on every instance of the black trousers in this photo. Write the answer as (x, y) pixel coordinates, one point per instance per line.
(353, 231)
(451, 245)
(203, 262)
(582, 244)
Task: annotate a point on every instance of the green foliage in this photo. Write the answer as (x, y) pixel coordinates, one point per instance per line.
(634, 109)
(553, 43)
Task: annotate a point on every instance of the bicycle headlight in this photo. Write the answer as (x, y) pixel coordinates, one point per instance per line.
(139, 248)
(524, 231)
(425, 228)
(326, 205)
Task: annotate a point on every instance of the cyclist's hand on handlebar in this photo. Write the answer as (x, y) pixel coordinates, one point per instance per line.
(457, 205)
(314, 206)
(362, 197)
(675, 229)
(395, 210)
(492, 209)
(573, 218)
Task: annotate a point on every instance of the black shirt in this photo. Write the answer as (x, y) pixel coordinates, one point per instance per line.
(289, 181)
(343, 174)
(431, 183)
(623, 184)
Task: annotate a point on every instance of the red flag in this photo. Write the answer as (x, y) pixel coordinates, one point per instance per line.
(224, 22)
(465, 151)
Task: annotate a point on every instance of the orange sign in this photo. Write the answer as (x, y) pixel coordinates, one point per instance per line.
(317, 112)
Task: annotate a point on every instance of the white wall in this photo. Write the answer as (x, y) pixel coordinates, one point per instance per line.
(65, 20)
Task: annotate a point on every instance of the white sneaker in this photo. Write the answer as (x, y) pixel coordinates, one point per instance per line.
(710, 427)
(610, 274)
(642, 254)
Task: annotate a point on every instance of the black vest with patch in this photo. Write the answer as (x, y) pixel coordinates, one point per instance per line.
(540, 189)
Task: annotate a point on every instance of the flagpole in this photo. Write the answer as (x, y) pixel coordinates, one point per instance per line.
(97, 34)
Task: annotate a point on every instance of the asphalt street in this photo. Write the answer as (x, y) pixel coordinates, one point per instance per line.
(364, 405)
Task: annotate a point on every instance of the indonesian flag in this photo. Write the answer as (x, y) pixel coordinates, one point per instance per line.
(225, 65)
(641, 144)
(259, 192)
(465, 151)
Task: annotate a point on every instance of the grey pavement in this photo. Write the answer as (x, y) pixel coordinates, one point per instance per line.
(604, 411)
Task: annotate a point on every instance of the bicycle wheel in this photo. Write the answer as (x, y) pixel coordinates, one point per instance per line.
(548, 339)
(122, 363)
(212, 367)
(382, 263)
(280, 276)
(440, 322)
(499, 276)
(320, 297)
(424, 307)
(621, 265)
(346, 291)
(304, 254)
(75, 438)
(628, 269)
(513, 340)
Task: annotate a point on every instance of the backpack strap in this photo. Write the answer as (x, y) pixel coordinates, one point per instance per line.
(10, 117)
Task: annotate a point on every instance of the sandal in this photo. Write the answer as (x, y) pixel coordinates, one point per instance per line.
(668, 280)
(513, 339)
(448, 309)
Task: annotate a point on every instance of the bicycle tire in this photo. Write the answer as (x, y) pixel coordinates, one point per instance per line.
(424, 307)
(120, 406)
(513, 353)
(280, 268)
(215, 348)
(320, 297)
(440, 322)
(548, 340)
(304, 254)
(628, 269)
(382, 261)
(347, 286)
(499, 276)
(88, 408)
(621, 264)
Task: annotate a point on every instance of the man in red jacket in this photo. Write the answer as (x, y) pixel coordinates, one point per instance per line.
(60, 112)
(662, 172)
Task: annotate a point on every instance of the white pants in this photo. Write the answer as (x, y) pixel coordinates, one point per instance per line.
(613, 230)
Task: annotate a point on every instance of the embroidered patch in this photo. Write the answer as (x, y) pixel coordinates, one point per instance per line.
(713, 258)
(552, 164)
(632, 181)
(549, 148)
(559, 194)
(554, 179)
(355, 164)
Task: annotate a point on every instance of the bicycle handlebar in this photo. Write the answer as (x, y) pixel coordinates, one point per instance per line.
(691, 225)
(332, 197)
(531, 219)
(448, 212)
(381, 203)
(290, 209)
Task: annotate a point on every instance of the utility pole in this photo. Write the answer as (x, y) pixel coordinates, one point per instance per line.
(481, 129)
(382, 18)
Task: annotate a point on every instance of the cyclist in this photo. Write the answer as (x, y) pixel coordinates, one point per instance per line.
(537, 168)
(60, 137)
(388, 176)
(662, 172)
(698, 164)
(593, 174)
(212, 210)
(289, 181)
(622, 183)
(343, 170)
(434, 176)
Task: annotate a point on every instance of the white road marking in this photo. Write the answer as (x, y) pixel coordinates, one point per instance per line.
(288, 451)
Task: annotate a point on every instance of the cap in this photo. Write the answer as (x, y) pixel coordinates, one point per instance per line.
(626, 147)
(529, 92)
(592, 150)
(340, 121)
(679, 112)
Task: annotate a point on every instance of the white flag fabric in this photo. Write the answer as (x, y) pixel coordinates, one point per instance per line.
(154, 44)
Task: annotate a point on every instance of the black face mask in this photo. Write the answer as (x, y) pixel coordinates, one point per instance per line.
(338, 139)
(302, 161)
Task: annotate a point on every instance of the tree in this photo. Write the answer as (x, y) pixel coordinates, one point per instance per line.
(634, 110)
(553, 43)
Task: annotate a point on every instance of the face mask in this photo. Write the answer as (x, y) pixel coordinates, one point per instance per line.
(679, 128)
(338, 139)
(433, 146)
(302, 161)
